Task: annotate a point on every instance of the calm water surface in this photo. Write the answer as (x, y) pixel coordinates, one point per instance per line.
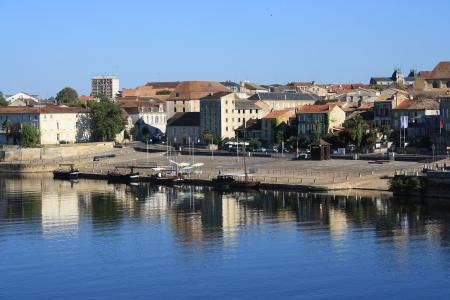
(91, 240)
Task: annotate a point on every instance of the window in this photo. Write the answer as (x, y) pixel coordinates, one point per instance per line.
(435, 85)
(177, 94)
(174, 109)
(448, 84)
(226, 111)
(250, 111)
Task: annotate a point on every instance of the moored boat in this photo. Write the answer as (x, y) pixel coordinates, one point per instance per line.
(123, 178)
(166, 179)
(234, 181)
(64, 174)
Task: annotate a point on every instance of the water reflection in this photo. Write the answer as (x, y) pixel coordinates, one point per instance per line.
(201, 219)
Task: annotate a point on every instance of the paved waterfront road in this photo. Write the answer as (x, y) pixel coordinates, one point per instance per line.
(331, 173)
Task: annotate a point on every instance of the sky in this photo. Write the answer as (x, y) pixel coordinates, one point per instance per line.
(48, 45)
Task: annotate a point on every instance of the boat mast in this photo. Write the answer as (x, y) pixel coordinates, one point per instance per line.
(245, 165)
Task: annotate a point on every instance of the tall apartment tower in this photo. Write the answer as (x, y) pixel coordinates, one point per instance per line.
(107, 85)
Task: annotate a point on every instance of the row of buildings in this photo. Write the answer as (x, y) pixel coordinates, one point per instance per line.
(184, 110)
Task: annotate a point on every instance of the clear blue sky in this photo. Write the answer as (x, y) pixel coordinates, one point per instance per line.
(48, 45)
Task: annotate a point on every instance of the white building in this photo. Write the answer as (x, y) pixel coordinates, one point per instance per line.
(107, 85)
(22, 96)
(151, 119)
(222, 113)
(56, 124)
(217, 114)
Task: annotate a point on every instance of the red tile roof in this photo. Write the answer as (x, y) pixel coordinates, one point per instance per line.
(278, 113)
(302, 84)
(194, 90)
(441, 71)
(169, 85)
(140, 103)
(418, 105)
(87, 98)
(320, 108)
(42, 110)
(366, 105)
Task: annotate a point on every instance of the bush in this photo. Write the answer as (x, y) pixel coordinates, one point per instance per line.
(29, 135)
(163, 92)
(406, 184)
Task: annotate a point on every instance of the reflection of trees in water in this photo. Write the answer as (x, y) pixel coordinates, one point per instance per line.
(195, 222)
(106, 210)
(15, 204)
(198, 215)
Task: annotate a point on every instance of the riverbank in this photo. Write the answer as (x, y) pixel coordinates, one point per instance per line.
(272, 172)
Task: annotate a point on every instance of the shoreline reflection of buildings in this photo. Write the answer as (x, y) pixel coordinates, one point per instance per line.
(202, 220)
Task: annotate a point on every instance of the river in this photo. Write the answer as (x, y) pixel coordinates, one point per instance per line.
(91, 240)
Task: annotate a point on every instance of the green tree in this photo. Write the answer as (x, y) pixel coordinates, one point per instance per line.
(163, 92)
(370, 138)
(292, 141)
(208, 136)
(3, 101)
(337, 140)
(359, 134)
(29, 135)
(279, 136)
(66, 95)
(102, 97)
(254, 144)
(317, 130)
(106, 120)
(385, 130)
(134, 132)
(7, 126)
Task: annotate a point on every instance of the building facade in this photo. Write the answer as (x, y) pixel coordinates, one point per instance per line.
(107, 85)
(422, 118)
(396, 78)
(56, 125)
(186, 96)
(24, 97)
(183, 127)
(224, 113)
(328, 117)
(437, 80)
(275, 121)
(149, 117)
(280, 101)
(382, 109)
(217, 114)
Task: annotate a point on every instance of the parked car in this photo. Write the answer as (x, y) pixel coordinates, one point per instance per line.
(303, 155)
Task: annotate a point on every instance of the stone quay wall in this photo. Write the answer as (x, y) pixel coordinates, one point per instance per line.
(61, 152)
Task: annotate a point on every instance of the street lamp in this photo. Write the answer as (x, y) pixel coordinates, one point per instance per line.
(175, 145)
(189, 145)
(146, 149)
(433, 147)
